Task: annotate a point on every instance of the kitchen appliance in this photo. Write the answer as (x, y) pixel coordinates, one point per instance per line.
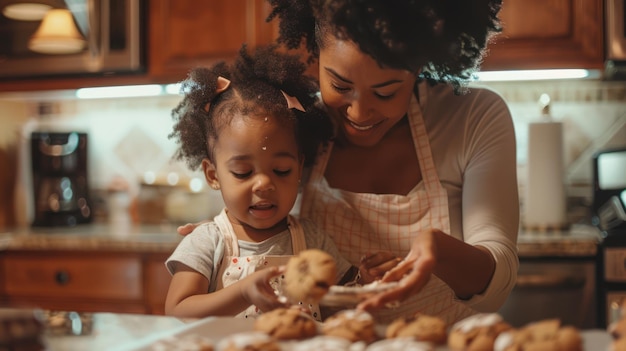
(60, 183)
(553, 287)
(608, 208)
(112, 32)
(615, 39)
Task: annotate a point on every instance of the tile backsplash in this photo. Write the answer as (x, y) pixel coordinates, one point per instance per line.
(129, 136)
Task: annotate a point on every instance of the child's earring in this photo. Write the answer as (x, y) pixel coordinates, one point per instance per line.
(215, 186)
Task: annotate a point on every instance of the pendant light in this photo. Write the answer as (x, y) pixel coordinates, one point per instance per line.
(57, 34)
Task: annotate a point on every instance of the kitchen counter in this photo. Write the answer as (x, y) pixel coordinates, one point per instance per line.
(579, 240)
(100, 237)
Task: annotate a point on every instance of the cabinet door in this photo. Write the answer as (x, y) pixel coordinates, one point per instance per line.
(157, 283)
(548, 34)
(187, 33)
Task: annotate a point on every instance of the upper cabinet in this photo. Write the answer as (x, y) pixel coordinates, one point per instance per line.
(185, 34)
(179, 36)
(542, 34)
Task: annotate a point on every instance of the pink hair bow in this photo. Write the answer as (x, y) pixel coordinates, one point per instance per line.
(222, 84)
(293, 102)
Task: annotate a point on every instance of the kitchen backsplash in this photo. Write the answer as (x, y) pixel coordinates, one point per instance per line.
(129, 136)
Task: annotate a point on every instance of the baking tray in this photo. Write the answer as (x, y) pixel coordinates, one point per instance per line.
(216, 328)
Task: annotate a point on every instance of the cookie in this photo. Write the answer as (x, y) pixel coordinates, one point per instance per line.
(309, 275)
(477, 332)
(542, 335)
(400, 344)
(248, 341)
(286, 324)
(421, 327)
(353, 325)
(618, 345)
(618, 329)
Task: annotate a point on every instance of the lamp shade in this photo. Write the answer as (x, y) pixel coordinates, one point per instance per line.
(26, 11)
(57, 34)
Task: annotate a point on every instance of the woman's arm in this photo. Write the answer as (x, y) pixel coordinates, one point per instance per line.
(187, 295)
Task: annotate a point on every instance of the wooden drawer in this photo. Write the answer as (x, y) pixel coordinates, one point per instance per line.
(73, 276)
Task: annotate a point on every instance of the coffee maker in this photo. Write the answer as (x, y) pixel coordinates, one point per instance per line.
(60, 186)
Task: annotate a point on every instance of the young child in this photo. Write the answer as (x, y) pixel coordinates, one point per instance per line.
(251, 126)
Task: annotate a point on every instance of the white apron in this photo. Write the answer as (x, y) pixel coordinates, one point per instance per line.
(361, 223)
(235, 267)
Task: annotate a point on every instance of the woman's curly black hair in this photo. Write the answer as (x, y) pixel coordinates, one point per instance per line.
(443, 39)
(256, 82)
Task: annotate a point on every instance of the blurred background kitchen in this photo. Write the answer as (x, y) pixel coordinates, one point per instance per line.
(571, 53)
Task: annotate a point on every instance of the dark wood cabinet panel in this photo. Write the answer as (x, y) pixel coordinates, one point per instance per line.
(84, 281)
(548, 34)
(185, 34)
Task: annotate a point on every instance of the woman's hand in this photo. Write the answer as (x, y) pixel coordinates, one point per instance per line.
(188, 228)
(374, 266)
(256, 289)
(412, 273)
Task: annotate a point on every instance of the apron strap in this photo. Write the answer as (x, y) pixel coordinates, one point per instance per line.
(231, 246)
(297, 235)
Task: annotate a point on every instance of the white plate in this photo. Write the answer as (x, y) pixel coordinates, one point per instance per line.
(348, 296)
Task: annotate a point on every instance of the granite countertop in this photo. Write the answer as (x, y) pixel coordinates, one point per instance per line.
(123, 238)
(577, 241)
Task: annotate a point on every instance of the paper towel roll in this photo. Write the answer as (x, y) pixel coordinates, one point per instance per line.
(545, 200)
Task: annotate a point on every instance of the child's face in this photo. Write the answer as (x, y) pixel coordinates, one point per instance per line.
(258, 169)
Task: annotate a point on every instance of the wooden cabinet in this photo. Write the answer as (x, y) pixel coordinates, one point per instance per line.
(180, 36)
(185, 34)
(157, 282)
(84, 281)
(548, 34)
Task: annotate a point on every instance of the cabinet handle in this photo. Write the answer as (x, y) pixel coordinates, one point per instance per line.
(62, 277)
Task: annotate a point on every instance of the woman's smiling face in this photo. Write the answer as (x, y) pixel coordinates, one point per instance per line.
(364, 99)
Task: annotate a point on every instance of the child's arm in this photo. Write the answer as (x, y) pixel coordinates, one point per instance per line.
(187, 296)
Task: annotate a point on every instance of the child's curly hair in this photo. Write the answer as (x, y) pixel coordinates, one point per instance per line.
(444, 40)
(255, 90)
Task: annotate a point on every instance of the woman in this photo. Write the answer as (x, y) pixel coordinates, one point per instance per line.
(419, 165)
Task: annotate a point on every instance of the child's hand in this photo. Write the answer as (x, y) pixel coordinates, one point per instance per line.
(374, 266)
(257, 291)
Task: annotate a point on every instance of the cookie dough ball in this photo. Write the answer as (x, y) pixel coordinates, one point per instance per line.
(477, 332)
(286, 324)
(248, 341)
(353, 325)
(309, 275)
(421, 327)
